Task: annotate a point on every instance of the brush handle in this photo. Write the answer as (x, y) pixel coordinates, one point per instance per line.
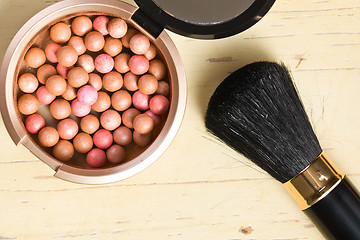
(337, 216)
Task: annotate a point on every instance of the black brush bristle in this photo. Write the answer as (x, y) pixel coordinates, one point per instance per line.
(257, 112)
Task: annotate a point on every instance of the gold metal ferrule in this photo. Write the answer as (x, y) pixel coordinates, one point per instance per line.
(315, 182)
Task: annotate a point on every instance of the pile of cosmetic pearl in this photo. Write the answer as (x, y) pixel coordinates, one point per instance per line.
(104, 85)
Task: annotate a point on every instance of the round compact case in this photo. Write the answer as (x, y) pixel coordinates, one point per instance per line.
(197, 19)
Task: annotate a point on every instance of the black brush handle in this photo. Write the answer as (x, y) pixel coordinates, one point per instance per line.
(337, 216)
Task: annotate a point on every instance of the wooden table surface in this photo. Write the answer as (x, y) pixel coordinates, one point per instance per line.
(199, 188)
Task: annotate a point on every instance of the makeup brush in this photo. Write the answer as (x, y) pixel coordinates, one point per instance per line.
(257, 112)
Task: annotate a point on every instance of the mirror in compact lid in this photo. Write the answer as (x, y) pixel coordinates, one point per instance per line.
(205, 12)
(203, 19)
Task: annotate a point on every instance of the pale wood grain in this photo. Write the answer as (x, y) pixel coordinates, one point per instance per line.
(200, 189)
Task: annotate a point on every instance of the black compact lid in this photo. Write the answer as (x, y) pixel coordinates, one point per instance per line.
(203, 19)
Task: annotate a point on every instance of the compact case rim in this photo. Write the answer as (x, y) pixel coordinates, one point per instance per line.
(142, 19)
(22, 41)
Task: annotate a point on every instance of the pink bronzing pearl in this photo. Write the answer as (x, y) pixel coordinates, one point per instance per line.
(140, 100)
(34, 123)
(63, 71)
(104, 63)
(79, 109)
(96, 158)
(87, 95)
(100, 24)
(44, 96)
(103, 139)
(51, 51)
(67, 128)
(159, 104)
(138, 64)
